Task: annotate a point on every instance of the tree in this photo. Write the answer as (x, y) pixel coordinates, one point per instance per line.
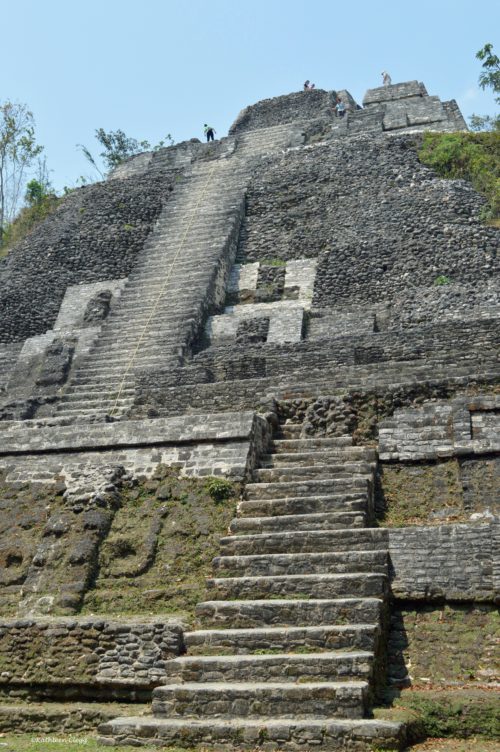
(39, 188)
(18, 150)
(488, 79)
(118, 147)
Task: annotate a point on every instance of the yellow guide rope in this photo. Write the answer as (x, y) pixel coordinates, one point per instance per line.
(160, 294)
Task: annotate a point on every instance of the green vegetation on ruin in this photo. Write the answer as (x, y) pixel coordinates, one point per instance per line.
(24, 511)
(27, 220)
(273, 262)
(159, 550)
(442, 280)
(421, 494)
(471, 156)
(458, 713)
(439, 646)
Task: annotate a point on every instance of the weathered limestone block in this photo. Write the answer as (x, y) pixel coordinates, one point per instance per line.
(441, 429)
(394, 92)
(446, 562)
(58, 653)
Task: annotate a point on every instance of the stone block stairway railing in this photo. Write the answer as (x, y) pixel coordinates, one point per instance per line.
(290, 649)
(181, 274)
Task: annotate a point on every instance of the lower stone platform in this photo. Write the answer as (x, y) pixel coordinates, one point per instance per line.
(284, 733)
(42, 718)
(201, 445)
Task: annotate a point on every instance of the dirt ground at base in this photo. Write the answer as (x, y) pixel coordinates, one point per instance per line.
(77, 743)
(456, 745)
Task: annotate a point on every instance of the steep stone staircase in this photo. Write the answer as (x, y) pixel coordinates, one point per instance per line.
(291, 646)
(179, 275)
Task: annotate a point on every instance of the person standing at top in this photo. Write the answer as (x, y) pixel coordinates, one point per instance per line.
(386, 79)
(209, 132)
(308, 85)
(340, 108)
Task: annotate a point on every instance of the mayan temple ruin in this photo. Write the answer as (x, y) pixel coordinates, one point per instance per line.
(249, 445)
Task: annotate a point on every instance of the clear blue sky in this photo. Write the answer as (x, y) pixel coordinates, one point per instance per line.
(160, 66)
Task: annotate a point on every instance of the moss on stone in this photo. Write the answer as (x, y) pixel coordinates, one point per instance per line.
(25, 509)
(452, 644)
(423, 494)
(160, 547)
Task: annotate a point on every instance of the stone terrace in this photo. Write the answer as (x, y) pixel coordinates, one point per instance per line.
(262, 308)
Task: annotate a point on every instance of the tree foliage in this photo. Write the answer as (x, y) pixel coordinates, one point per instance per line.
(488, 79)
(471, 156)
(40, 201)
(118, 147)
(18, 151)
(484, 122)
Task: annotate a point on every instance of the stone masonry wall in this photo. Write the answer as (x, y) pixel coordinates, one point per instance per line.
(442, 429)
(51, 536)
(94, 235)
(445, 563)
(84, 657)
(377, 220)
(303, 105)
(279, 358)
(246, 375)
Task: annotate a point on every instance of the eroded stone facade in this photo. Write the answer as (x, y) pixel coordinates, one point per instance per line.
(304, 308)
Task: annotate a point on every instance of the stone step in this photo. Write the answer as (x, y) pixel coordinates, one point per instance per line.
(290, 430)
(154, 347)
(148, 295)
(117, 323)
(284, 612)
(80, 406)
(101, 371)
(99, 383)
(346, 699)
(338, 470)
(351, 584)
(81, 415)
(317, 456)
(120, 369)
(67, 718)
(153, 339)
(302, 505)
(190, 230)
(282, 639)
(158, 286)
(287, 446)
(89, 390)
(80, 393)
(72, 409)
(249, 734)
(116, 371)
(110, 374)
(118, 335)
(315, 487)
(161, 309)
(281, 667)
(304, 542)
(294, 522)
(101, 365)
(152, 277)
(279, 564)
(165, 261)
